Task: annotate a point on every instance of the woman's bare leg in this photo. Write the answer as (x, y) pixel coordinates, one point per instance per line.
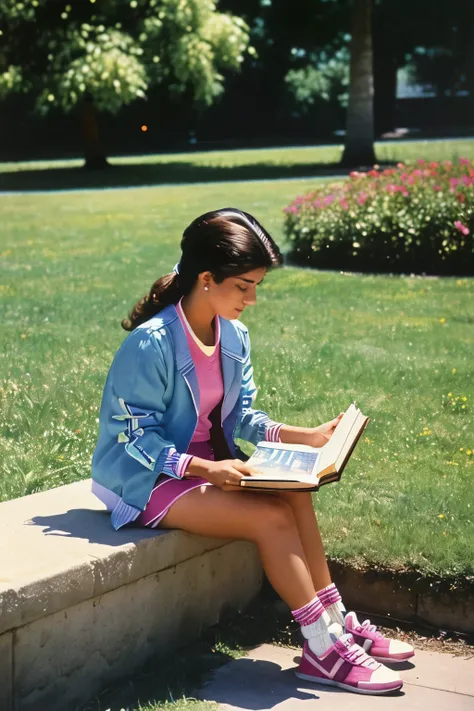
(266, 520)
(308, 529)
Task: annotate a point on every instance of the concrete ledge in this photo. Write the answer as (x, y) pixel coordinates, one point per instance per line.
(81, 604)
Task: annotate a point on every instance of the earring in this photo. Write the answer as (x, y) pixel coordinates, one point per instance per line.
(206, 288)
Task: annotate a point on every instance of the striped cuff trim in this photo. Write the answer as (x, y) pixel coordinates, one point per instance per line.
(272, 431)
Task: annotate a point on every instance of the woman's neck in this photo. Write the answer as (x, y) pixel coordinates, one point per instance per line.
(200, 317)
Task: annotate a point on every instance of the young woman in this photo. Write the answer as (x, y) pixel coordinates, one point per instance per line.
(179, 391)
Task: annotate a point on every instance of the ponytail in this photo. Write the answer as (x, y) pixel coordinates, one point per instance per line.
(165, 291)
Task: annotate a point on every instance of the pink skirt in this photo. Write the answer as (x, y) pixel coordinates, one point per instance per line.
(168, 490)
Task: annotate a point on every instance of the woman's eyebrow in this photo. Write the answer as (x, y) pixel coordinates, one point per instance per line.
(249, 281)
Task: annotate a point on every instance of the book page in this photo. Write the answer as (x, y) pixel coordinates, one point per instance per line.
(280, 463)
(357, 426)
(331, 450)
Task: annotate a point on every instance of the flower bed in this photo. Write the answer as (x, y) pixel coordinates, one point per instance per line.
(417, 218)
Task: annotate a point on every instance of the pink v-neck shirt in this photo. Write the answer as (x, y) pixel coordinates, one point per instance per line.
(209, 377)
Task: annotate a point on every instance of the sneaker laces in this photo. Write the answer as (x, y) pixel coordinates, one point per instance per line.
(355, 654)
(366, 626)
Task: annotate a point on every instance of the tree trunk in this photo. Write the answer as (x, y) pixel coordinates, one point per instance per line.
(385, 89)
(359, 144)
(94, 155)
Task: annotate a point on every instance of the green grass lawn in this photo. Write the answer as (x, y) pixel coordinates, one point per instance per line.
(73, 264)
(262, 163)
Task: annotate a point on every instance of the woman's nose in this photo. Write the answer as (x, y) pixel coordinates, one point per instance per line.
(250, 298)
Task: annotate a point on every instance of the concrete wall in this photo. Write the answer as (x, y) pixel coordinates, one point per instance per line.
(68, 634)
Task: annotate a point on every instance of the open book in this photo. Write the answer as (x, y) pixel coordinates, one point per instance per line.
(299, 467)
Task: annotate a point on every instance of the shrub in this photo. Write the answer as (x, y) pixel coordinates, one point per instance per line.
(417, 218)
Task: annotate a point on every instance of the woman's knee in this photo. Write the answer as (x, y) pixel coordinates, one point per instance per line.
(275, 514)
(297, 499)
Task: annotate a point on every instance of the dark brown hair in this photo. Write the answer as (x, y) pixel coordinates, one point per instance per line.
(225, 242)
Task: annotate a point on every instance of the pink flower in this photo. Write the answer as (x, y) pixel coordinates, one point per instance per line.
(436, 188)
(420, 161)
(464, 161)
(329, 199)
(433, 164)
(400, 165)
(466, 180)
(462, 228)
(373, 173)
(354, 174)
(344, 204)
(453, 182)
(362, 198)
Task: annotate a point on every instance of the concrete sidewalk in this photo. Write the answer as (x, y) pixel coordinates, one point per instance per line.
(265, 680)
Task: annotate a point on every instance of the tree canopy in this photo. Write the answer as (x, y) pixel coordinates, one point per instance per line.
(113, 51)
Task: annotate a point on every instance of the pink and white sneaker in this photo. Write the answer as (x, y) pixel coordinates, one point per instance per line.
(346, 665)
(381, 648)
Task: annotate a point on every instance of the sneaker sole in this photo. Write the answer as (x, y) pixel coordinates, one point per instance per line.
(355, 689)
(393, 659)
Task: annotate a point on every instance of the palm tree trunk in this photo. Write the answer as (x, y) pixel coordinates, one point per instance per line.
(359, 145)
(94, 155)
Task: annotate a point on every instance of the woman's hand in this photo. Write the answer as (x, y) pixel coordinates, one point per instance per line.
(324, 432)
(227, 473)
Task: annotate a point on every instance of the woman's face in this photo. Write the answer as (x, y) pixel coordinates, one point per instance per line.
(229, 298)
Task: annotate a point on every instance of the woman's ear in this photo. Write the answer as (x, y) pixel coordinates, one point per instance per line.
(205, 279)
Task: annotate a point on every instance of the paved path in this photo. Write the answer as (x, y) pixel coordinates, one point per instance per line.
(265, 680)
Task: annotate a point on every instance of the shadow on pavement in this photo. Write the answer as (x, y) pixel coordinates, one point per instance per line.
(132, 175)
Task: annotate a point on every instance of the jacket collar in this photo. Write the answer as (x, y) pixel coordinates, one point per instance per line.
(231, 344)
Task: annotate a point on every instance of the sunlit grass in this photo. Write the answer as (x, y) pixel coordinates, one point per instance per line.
(72, 265)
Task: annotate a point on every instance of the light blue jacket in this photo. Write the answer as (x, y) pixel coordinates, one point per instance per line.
(151, 404)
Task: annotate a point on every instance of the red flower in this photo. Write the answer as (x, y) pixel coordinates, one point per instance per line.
(460, 197)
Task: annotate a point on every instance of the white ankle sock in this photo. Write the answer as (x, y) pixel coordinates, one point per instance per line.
(321, 634)
(337, 612)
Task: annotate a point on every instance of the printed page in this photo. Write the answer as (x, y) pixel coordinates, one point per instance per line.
(279, 463)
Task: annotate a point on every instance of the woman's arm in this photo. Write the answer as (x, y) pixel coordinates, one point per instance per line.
(312, 436)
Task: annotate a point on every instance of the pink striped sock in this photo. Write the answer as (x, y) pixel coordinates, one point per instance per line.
(329, 596)
(309, 613)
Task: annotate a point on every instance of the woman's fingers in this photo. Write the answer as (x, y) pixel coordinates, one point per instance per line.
(243, 468)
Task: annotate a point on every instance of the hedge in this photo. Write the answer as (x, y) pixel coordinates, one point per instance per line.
(413, 218)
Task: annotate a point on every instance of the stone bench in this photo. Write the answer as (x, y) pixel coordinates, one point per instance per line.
(82, 605)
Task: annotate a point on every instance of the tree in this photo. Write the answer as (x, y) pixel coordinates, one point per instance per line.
(103, 55)
(359, 143)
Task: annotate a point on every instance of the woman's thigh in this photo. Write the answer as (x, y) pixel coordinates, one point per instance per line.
(209, 511)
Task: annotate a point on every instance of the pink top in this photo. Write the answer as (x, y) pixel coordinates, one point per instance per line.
(211, 387)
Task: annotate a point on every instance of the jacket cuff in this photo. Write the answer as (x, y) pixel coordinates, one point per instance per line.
(272, 431)
(176, 463)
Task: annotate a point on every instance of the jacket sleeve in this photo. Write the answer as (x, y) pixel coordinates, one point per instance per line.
(254, 425)
(141, 396)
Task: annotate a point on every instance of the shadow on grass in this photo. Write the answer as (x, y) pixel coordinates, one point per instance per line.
(139, 174)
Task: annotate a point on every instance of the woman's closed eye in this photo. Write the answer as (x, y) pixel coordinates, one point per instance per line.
(242, 288)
